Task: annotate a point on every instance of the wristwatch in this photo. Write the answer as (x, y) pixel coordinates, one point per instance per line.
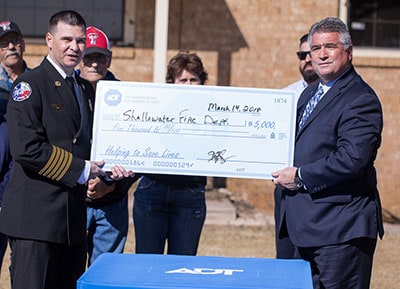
(299, 183)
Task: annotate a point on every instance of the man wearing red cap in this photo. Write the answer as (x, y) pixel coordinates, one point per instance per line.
(107, 202)
(97, 57)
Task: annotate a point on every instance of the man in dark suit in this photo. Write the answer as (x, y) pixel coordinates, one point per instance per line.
(330, 207)
(50, 122)
(284, 247)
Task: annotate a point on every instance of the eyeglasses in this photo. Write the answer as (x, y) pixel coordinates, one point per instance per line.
(5, 42)
(302, 54)
(95, 57)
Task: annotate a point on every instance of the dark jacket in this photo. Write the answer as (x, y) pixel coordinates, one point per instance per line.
(121, 186)
(5, 156)
(50, 140)
(335, 151)
(5, 85)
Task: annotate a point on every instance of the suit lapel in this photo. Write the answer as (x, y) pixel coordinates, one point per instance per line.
(64, 95)
(86, 108)
(330, 95)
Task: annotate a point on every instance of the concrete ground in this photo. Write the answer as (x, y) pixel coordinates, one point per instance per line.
(222, 211)
(234, 229)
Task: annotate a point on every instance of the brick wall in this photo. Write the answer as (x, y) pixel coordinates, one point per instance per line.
(252, 43)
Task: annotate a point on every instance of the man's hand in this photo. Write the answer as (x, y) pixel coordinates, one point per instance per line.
(285, 178)
(119, 172)
(96, 169)
(98, 189)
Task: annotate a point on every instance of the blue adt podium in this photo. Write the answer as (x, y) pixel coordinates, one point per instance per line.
(146, 271)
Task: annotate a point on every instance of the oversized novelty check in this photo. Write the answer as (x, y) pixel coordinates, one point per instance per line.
(194, 129)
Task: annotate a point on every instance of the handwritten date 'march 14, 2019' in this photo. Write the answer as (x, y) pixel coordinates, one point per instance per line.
(201, 130)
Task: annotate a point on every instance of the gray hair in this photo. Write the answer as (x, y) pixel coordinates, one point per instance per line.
(332, 24)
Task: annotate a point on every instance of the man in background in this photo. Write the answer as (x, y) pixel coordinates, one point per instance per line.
(305, 67)
(107, 201)
(284, 247)
(12, 65)
(97, 58)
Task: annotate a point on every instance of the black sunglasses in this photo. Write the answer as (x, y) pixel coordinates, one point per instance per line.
(302, 54)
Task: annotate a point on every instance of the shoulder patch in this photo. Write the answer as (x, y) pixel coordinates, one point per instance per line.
(22, 91)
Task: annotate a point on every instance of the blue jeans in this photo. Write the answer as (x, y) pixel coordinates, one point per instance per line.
(162, 212)
(107, 228)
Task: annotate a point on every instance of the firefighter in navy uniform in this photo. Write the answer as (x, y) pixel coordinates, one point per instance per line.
(44, 211)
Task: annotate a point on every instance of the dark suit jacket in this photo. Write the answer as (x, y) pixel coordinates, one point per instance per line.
(50, 140)
(5, 156)
(336, 150)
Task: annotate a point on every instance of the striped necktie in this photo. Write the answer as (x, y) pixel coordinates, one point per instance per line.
(312, 103)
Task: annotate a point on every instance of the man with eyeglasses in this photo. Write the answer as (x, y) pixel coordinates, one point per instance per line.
(12, 47)
(107, 201)
(12, 64)
(97, 58)
(284, 247)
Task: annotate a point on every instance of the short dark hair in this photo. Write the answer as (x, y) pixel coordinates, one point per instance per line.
(185, 60)
(303, 38)
(69, 17)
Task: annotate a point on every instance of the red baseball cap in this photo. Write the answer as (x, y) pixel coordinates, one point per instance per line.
(97, 41)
